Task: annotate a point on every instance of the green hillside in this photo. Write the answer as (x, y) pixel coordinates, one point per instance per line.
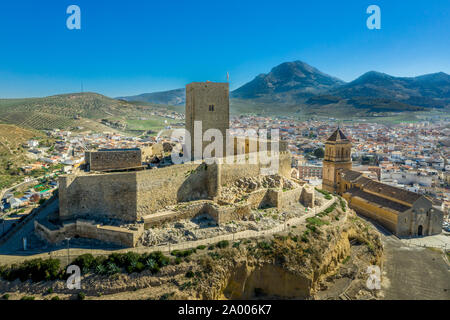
(61, 111)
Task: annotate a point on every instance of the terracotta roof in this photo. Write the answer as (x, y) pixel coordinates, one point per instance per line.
(337, 136)
(382, 202)
(390, 191)
(351, 175)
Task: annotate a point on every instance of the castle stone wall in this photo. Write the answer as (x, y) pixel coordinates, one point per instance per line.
(112, 195)
(129, 196)
(113, 159)
(88, 229)
(163, 187)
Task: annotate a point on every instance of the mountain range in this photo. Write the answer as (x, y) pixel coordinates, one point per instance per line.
(174, 97)
(297, 85)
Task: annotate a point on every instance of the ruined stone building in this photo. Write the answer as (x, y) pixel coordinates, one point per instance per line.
(402, 212)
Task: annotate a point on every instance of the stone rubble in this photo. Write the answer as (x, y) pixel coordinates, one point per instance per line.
(203, 227)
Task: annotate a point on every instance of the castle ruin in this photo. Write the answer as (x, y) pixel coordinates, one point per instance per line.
(131, 200)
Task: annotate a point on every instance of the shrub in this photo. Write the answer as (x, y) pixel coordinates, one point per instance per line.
(186, 285)
(214, 255)
(81, 295)
(27, 298)
(100, 269)
(135, 266)
(312, 228)
(86, 262)
(36, 270)
(182, 254)
(111, 268)
(264, 245)
(5, 296)
(166, 296)
(189, 274)
(325, 193)
(152, 265)
(316, 221)
(342, 202)
(158, 257)
(55, 298)
(50, 290)
(222, 244)
(201, 247)
(130, 262)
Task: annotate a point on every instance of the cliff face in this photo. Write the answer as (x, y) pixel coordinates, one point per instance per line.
(294, 265)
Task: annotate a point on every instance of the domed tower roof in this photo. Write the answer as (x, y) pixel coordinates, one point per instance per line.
(338, 135)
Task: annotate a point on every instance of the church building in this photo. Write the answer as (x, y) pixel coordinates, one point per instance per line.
(402, 212)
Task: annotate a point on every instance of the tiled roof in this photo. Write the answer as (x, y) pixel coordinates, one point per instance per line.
(351, 175)
(355, 192)
(393, 192)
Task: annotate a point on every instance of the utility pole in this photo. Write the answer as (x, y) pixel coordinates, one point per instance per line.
(68, 239)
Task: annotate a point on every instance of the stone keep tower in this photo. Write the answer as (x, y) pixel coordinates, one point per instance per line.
(337, 156)
(209, 103)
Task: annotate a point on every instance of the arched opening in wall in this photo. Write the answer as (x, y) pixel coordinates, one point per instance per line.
(203, 219)
(420, 231)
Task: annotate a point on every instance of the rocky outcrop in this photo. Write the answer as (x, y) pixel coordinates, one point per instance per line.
(288, 267)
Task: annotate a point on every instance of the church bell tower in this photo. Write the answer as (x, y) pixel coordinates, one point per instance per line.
(337, 157)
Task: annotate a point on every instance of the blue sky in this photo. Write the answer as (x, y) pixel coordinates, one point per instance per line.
(136, 46)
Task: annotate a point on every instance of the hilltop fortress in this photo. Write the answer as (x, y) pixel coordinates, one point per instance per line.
(116, 188)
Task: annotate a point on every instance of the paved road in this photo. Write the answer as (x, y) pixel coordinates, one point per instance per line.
(2, 192)
(14, 244)
(412, 272)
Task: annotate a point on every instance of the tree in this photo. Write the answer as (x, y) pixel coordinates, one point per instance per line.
(319, 153)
